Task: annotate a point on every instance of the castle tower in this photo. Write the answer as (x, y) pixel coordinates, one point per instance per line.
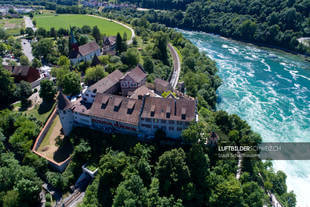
(65, 113)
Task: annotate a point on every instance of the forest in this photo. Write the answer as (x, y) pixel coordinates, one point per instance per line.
(275, 23)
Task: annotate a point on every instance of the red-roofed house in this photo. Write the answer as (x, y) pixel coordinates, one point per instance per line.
(25, 73)
(133, 80)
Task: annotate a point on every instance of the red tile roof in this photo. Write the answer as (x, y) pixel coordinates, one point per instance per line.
(176, 107)
(127, 110)
(107, 82)
(88, 48)
(137, 74)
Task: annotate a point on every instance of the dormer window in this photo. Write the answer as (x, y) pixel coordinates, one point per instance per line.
(130, 106)
(104, 101)
(183, 113)
(152, 110)
(168, 111)
(117, 103)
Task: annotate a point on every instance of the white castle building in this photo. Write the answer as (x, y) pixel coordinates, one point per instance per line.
(122, 103)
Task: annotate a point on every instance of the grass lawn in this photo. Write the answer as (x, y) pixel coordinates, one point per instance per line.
(49, 146)
(67, 20)
(46, 139)
(12, 26)
(42, 111)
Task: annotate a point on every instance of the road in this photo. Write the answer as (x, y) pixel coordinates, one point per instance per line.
(176, 66)
(26, 46)
(124, 25)
(27, 49)
(28, 23)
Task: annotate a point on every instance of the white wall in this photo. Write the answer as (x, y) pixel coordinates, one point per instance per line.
(66, 119)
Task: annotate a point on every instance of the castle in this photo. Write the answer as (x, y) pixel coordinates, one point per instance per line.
(122, 103)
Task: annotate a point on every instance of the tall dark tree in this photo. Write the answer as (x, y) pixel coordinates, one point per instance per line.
(96, 34)
(7, 87)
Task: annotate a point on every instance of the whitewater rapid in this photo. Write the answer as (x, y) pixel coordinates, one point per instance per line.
(271, 91)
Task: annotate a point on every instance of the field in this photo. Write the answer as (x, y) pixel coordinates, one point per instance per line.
(12, 26)
(65, 21)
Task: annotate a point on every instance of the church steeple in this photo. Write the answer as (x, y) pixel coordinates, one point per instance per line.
(73, 42)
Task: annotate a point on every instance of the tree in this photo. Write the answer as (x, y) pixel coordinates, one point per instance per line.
(41, 32)
(253, 194)
(36, 63)
(42, 48)
(47, 90)
(130, 192)
(63, 61)
(96, 34)
(2, 48)
(86, 29)
(160, 47)
(120, 44)
(130, 57)
(173, 174)
(53, 33)
(7, 87)
(148, 64)
(23, 91)
(227, 193)
(248, 29)
(11, 199)
(24, 60)
(71, 83)
(94, 74)
(29, 31)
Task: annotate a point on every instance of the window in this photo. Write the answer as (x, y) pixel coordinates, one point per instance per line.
(86, 94)
(171, 128)
(148, 119)
(103, 106)
(168, 115)
(146, 125)
(183, 116)
(179, 129)
(179, 123)
(142, 119)
(155, 127)
(163, 121)
(171, 122)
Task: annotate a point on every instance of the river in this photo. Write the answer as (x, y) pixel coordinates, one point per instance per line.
(269, 89)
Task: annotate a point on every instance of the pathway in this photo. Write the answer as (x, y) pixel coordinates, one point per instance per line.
(124, 25)
(29, 23)
(239, 165)
(26, 46)
(176, 66)
(27, 49)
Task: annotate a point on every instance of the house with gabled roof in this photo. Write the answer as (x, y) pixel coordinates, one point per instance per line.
(132, 80)
(85, 52)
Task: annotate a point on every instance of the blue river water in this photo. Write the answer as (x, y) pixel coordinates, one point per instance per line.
(271, 91)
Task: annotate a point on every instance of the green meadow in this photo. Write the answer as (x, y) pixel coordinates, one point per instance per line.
(67, 20)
